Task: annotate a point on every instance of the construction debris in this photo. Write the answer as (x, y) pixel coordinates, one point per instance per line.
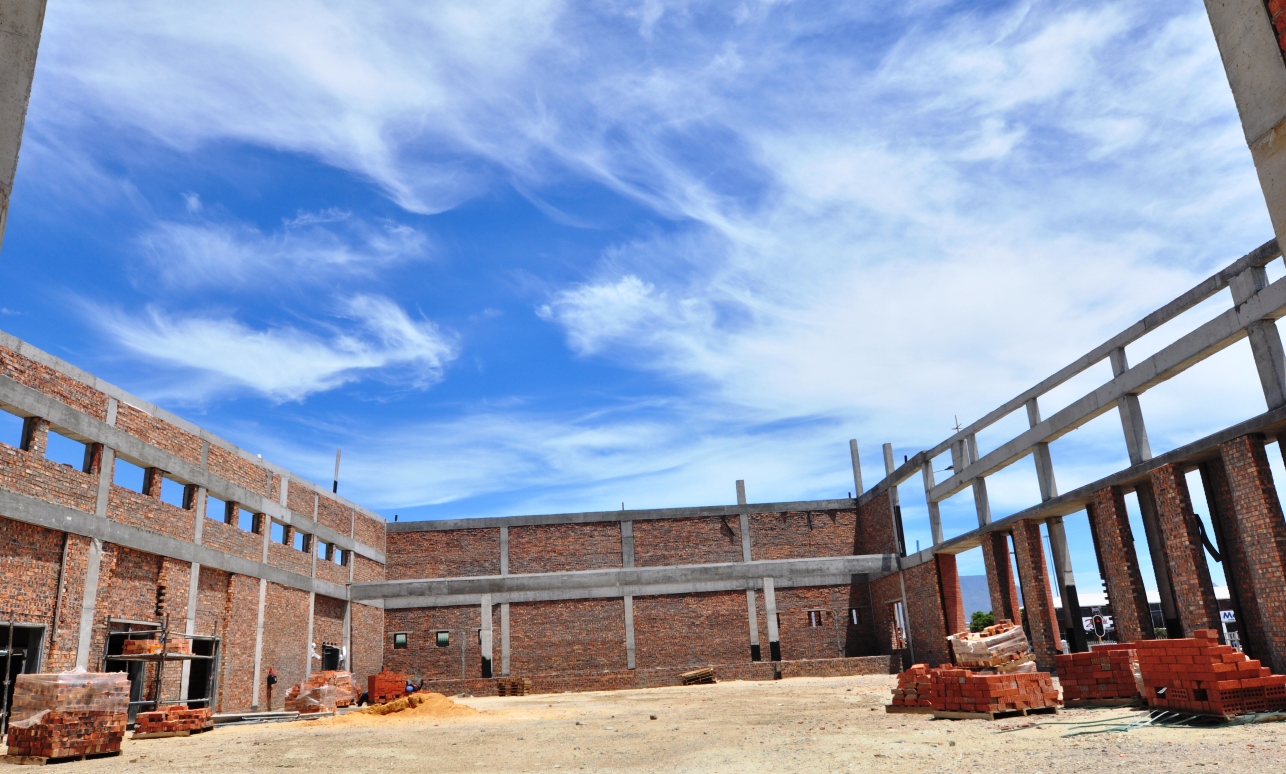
(67, 715)
(521, 686)
(702, 676)
(174, 720)
(967, 693)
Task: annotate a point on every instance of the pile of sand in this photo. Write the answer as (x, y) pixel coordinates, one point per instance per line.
(417, 706)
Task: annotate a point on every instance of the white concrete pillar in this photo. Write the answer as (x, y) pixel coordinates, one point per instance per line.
(504, 550)
(485, 634)
(504, 639)
(1040, 454)
(627, 544)
(1136, 432)
(753, 614)
(857, 468)
(629, 632)
(770, 611)
(743, 521)
(20, 24)
(89, 599)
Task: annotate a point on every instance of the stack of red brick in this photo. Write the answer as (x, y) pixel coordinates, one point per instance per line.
(1103, 673)
(322, 692)
(69, 714)
(148, 647)
(1200, 675)
(385, 686)
(914, 687)
(174, 718)
(959, 690)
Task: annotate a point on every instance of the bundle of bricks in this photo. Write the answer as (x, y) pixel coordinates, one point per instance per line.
(150, 647)
(175, 719)
(513, 686)
(323, 692)
(385, 687)
(68, 715)
(1199, 675)
(959, 690)
(913, 687)
(1103, 674)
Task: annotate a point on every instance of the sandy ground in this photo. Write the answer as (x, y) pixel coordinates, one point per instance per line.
(803, 724)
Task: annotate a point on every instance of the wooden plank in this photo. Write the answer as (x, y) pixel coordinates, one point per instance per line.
(38, 760)
(952, 715)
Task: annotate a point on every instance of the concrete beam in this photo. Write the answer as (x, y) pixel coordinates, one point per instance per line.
(86, 428)
(20, 24)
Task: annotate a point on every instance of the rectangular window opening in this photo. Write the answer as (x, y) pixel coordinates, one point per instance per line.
(302, 541)
(323, 549)
(246, 520)
(10, 429)
(65, 451)
(814, 618)
(443, 639)
(278, 533)
(341, 557)
(399, 640)
(216, 509)
(173, 492)
(127, 475)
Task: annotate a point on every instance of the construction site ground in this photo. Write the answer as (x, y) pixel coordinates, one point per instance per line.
(803, 724)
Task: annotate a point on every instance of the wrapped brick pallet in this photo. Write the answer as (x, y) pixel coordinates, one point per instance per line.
(68, 715)
(174, 720)
(322, 692)
(1001, 647)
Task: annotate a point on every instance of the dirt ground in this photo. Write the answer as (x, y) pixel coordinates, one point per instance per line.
(803, 724)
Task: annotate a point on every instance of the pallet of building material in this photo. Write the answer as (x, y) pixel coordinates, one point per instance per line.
(385, 687)
(68, 715)
(702, 676)
(513, 686)
(342, 682)
(964, 691)
(998, 715)
(1200, 676)
(41, 760)
(1103, 677)
(173, 720)
(311, 696)
(912, 691)
(990, 648)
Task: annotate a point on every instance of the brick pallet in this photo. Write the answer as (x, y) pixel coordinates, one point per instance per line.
(912, 693)
(385, 687)
(513, 686)
(1103, 677)
(175, 720)
(67, 715)
(150, 647)
(1199, 675)
(69, 734)
(962, 691)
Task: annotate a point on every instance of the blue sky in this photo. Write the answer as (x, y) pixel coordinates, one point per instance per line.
(539, 256)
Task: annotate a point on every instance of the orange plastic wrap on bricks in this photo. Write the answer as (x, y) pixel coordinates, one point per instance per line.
(68, 714)
(1103, 673)
(1201, 676)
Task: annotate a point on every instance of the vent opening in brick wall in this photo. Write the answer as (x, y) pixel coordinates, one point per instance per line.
(443, 639)
(303, 541)
(399, 640)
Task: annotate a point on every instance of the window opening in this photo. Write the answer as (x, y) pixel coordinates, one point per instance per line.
(216, 509)
(25, 658)
(65, 451)
(399, 641)
(11, 429)
(323, 549)
(301, 541)
(278, 533)
(246, 520)
(172, 492)
(128, 475)
(330, 658)
(341, 557)
(443, 639)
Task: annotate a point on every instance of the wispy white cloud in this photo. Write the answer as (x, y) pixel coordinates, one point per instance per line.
(287, 363)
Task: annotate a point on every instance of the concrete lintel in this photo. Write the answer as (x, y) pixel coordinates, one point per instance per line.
(782, 569)
(616, 592)
(30, 510)
(90, 429)
(845, 504)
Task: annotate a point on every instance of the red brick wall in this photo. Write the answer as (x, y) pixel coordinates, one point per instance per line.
(285, 641)
(692, 630)
(1000, 577)
(952, 599)
(231, 539)
(333, 515)
(158, 433)
(127, 582)
(62, 651)
(30, 558)
(369, 531)
(875, 533)
(76, 394)
(1118, 565)
(238, 470)
(1038, 600)
(422, 657)
(800, 535)
(300, 500)
(924, 603)
(445, 554)
(211, 601)
(1194, 595)
(1257, 530)
(29, 473)
(287, 558)
(799, 639)
(884, 592)
(368, 641)
(366, 570)
(687, 541)
(240, 616)
(575, 635)
(564, 547)
(139, 510)
(328, 625)
(329, 571)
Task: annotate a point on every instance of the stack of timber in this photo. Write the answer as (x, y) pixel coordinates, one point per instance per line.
(68, 715)
(385, 687)
(175, 720)
(1002, 647)
(702, 676)
(1105, 677)
(515, 686)
(1201, 676)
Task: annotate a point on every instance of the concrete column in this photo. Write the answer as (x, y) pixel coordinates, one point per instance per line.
(1156, 551)
(20, 24)
(627, 544)
(504, 639)
(770, 611)
(857, 468)
(1136, 433)
(1000, 577)
(348, 605)
(953, 612)
(1118, 563)
(1265, 341)
(504, 549)
(753, 614)
(485, 635)
(194, 583)
(894, 503)
(1073, 629)
(935, 515)
(254, 693)
(1038, 601)
(89, 600)
(1252, 60)
(629, 632)
(744, 521)
(1040, 454)
(1254, 548)
(312, 595)
(1194, 594)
